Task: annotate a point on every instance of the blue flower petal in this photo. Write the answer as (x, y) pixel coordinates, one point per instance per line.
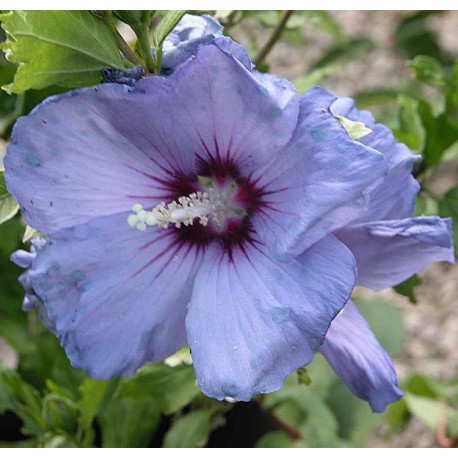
(389, 252)
(322, 182)
(117, 296)
(395, 197)
(253, 320)
(114, 146)
(88, 153)
(221, 113)
(186, 38)
(359, 360)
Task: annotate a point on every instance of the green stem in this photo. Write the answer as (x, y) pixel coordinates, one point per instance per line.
(145, 47)
(276, 34)
(122, 45)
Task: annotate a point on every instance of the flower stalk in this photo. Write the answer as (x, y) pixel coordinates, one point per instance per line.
(276, 34)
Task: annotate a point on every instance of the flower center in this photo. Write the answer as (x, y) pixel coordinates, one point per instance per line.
(215, 204)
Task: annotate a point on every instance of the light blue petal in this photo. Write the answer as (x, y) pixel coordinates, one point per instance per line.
(117, 296)
(222, 114)
(252, 320)
(389, 252)
(187, 37)
(322, 182)
(92, 152)
(359, 360)
(395, 197)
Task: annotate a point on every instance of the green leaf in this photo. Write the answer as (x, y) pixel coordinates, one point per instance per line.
(128, 422)
(67, 48)
(398, 415)
(191, 430)
(29, 234)
(275, 439)
(345, 52)
(355, 417)
(59, 441)
(428, 70)
(355, 129)
(135, 18)
(59, 412)
(451, 152)
(427, 410)
(315, 77)
(92, 395)
(414, 37)
(421, 385)
(386, 322)
(168, 22)
(299, 407)
(8, 206)
(303, 377)
(411, 130)
(448, 207)
(323, 20)
(440, 134)
(407, 288)
(171, 387)
(22, 399)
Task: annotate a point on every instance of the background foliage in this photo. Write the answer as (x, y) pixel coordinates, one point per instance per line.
(44, 402)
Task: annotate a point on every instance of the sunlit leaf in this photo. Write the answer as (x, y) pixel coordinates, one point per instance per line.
(189, 431)
(168, 22)
(67, 48)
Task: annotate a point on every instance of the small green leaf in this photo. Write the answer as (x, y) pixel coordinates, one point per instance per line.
(355, 129)
(407, 288)
(29, 234)
(303, 377)
(168, 22)
(191, 430)
(386, 322)
(309, 415)
(135, 18)
(440, 133)
(345, 52)
(67, 48)
(428, 70)
(8, 206)
(171, 387)
(427, 410)
(128, 422)
(448, 207)
(22, 399)
(92, 395)
(411, 130)
(182, 356)
(315, 77)
(275, 439)
(323, 20)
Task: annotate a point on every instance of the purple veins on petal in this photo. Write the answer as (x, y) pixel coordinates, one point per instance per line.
(195, 209)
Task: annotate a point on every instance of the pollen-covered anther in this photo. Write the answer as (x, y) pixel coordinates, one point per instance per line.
(183, 211)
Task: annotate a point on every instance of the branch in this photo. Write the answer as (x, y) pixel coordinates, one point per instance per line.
(276, 34)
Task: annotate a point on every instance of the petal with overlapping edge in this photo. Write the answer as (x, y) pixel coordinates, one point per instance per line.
(96, 151)
(389, 252)
(224, 114)
(321, 183)
(117, 296)
(186, 38)
(359, 360)
(68, 163)
(253, 320)
(395, 197)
